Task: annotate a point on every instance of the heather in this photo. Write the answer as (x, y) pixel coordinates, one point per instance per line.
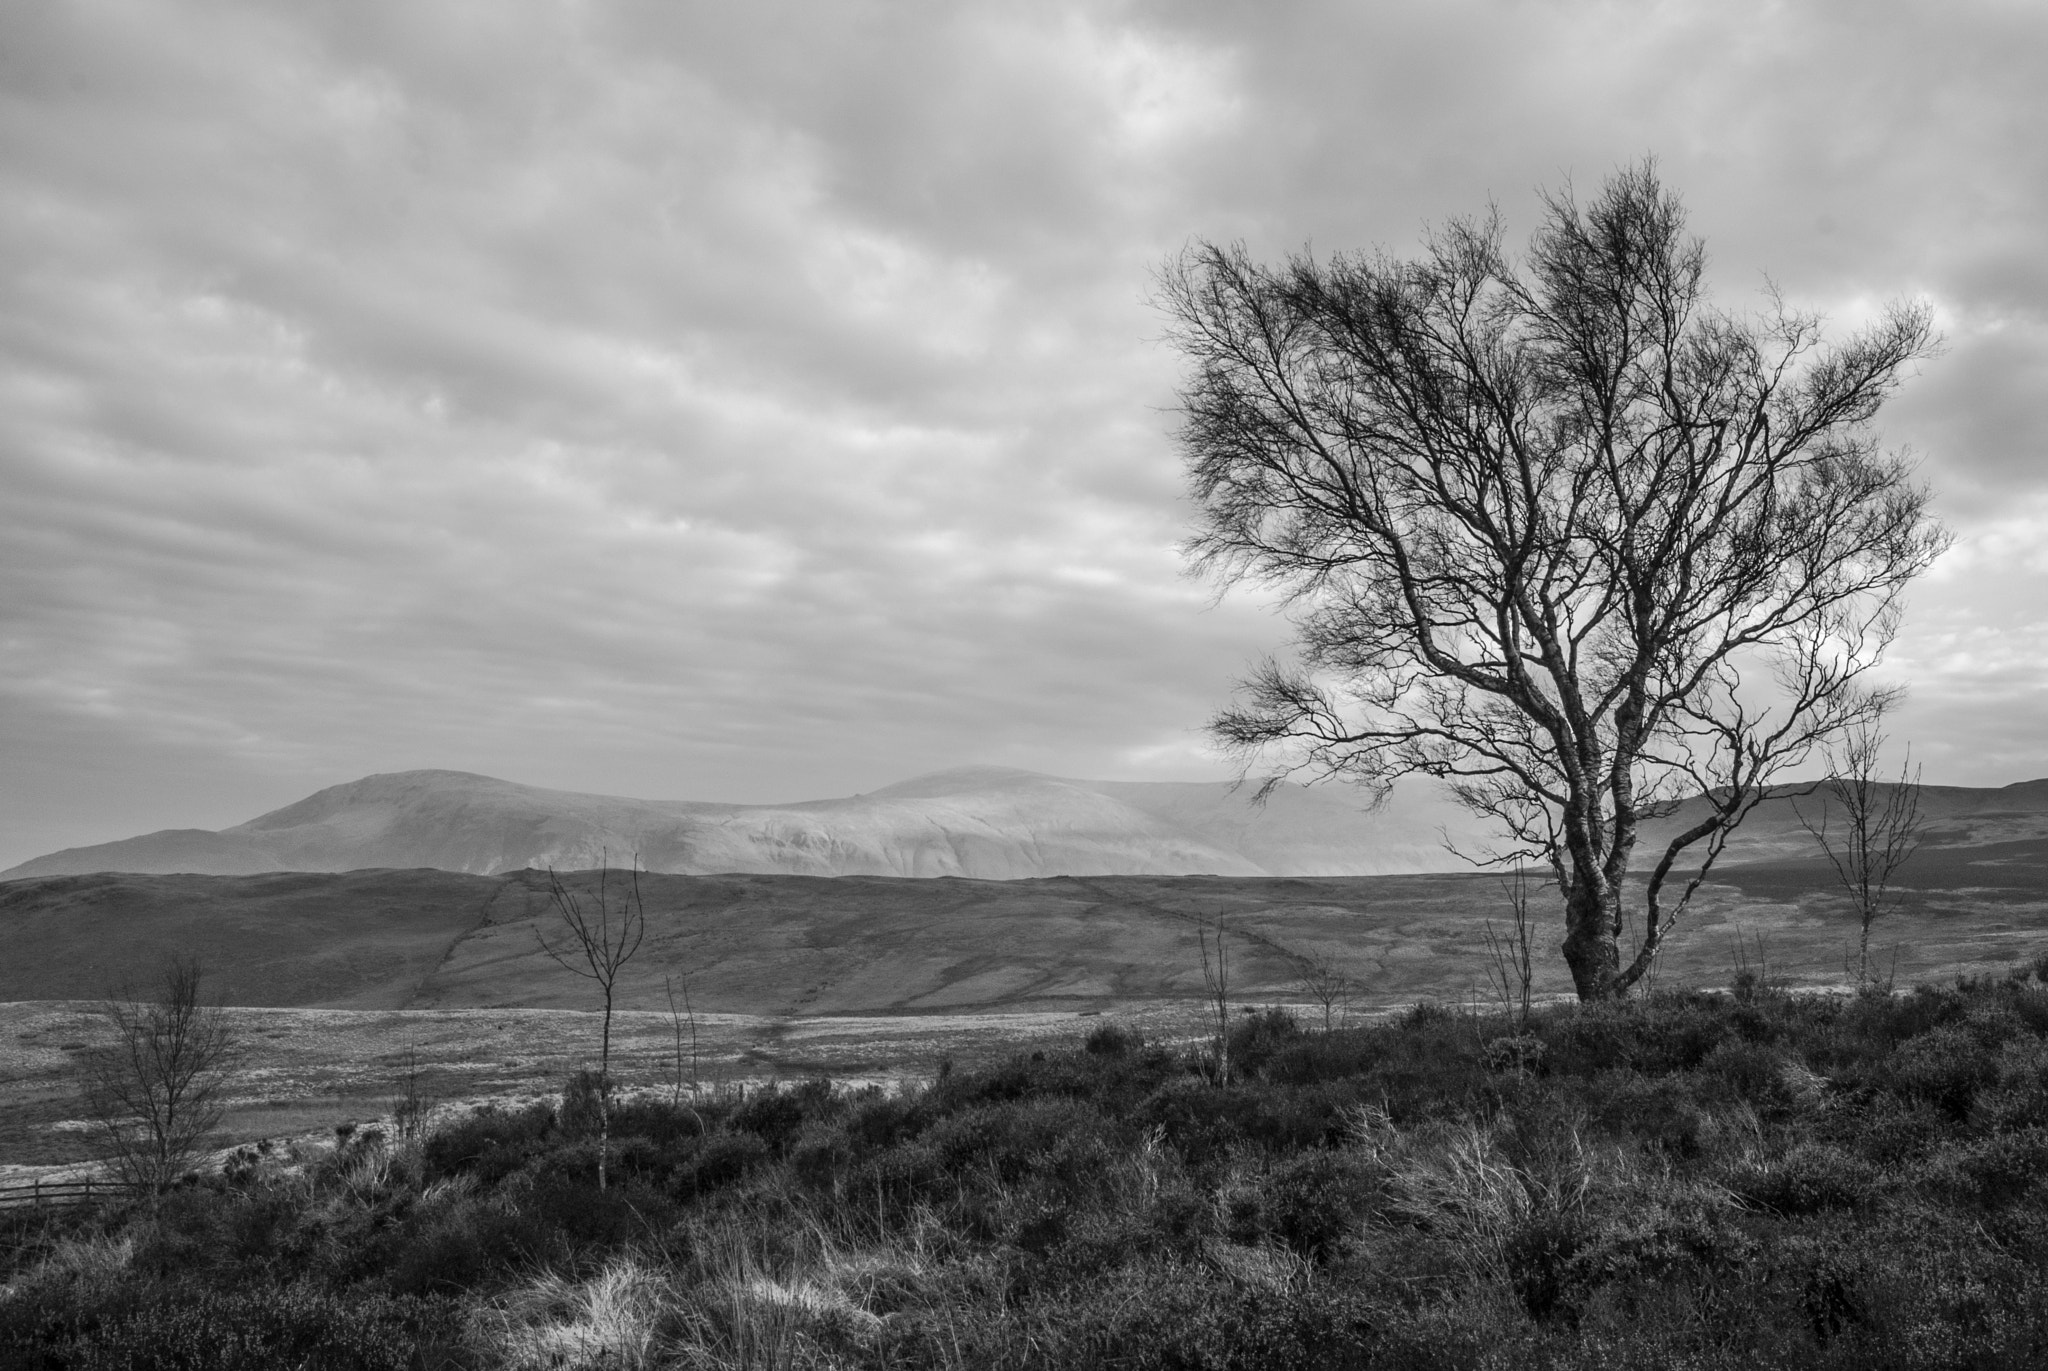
(1684, 1179)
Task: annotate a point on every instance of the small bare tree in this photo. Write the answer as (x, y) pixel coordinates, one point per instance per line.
(1216, 978)
(677, 1019)
(1325, 984)
(601, 938)
(411, 1106)
(1512, 971)
(157, 1091)
(1878, 831)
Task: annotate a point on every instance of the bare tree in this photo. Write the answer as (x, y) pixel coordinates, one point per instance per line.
(411, 1107)
(1512, 969)
(1216, 979)
(1553, 530)
(1327, 985)
(1879, 830)
(677, 1018)
(156, 1092)
(602, 937)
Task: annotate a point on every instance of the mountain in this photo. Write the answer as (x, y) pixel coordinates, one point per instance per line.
(989, 823)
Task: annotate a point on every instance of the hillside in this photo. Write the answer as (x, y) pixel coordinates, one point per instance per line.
(985, 823)
(979, 823)
(361, 940)
(796, 946)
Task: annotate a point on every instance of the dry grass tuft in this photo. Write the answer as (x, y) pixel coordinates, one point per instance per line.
(611, 1321)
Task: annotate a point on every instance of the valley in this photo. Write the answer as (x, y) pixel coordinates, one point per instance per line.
(338, 980)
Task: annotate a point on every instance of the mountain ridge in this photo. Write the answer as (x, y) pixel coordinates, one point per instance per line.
(977, 821)
(981, 822)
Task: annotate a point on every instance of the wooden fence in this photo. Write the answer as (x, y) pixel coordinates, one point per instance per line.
(39, 1192)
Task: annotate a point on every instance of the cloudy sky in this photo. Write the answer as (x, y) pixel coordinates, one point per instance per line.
(760, 401)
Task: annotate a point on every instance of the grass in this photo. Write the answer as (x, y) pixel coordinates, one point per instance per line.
(1691, 1180)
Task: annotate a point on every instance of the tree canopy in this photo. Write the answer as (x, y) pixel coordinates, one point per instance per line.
(1553, 529)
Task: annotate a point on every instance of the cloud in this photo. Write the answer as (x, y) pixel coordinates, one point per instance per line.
(753, 402)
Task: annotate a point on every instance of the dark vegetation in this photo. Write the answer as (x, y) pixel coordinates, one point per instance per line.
(1702, 1180)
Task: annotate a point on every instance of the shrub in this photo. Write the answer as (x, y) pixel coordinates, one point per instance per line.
(1889, 1130)
(881, 1121)
(773, 1115)
(655, 1119)
(1341, 1054)
(1112, 1039)
(1944, 1066)
(1201, 1122)
(580, 1112)
(1994, 1023)
(1058, 1140)
(1541, 1256)
(2031, 1008)
(1748, 1071)
(464, 1245)
(821, 1156)
(2000, 1168)
(1659, 1111)
(589, 1218)
(1810, 1178)
(234, 1329)
(489, 1144)
(1311, 1201)
(722, 1160)
(1256, 1039)
(1518, 1052)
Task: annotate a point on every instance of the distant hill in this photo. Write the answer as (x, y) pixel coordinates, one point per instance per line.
(802, 946)
(361, 940)
(986, 823)
(989, 823)
(1955, 816)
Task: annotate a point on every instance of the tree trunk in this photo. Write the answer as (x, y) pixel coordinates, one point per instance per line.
(1589, 945)
(604, 1092)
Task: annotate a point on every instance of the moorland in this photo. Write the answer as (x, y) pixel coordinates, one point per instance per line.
(962, 1122)
(338, 979)
(1744, 1179)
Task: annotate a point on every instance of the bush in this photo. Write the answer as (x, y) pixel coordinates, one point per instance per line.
(1060, 1141)
(1542, 1257)
(1256, 1039)
(1659, 1111)
(1748, 1071)
(1889, 1130)
(1944, 1066)
(1310, 1202)
(723, 1159)
(1810, 1178)
(230, 1329)
(1112, 1039)
(656, 1120)
(464, 1246)
(1517, 1052)
(490, 1144)
(773, 1115)
(580, 1113)
(2000, 1169)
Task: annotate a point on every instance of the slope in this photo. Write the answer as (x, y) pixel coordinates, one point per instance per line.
(980, 822)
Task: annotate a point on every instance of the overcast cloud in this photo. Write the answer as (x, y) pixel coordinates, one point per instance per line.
(760, 402)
